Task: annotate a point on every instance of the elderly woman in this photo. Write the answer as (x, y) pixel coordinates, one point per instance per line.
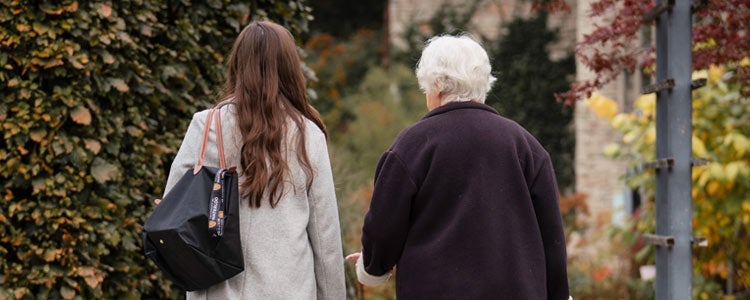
(465, 200)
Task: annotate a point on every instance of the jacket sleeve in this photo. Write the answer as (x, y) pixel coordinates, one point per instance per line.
(387, 221)
(187, 155)
(546, 205)
(324, 228)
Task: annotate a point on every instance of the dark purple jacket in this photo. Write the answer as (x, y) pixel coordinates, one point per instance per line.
(465, 205)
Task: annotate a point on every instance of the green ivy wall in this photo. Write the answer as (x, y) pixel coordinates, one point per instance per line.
(94, 99)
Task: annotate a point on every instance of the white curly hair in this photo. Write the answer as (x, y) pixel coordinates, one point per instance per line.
(456, 66)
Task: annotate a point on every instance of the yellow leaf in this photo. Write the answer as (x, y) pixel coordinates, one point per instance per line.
(650, 135)
(119, 84)
(81, 115)
(619, 121)
(696, 173)
(732, 169)
(741, 144)
(603, 106)
(699, 74)
(745, 62)
(715, 171)
(746, 205)
(630, 137)
(611, 149)
(699, 148)
(646, 103)
(715, 73)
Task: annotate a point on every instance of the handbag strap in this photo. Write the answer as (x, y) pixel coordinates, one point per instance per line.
(219, 139)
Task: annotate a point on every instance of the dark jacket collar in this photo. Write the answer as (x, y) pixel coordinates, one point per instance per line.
(459, 105)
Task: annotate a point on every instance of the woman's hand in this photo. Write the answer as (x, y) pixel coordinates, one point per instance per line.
(354, 256)
(157, 201)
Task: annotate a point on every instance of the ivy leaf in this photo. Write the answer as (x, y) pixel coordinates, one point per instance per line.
(105, 10)
(37, 135)
(51, 254)
(107, 58)
(67, 293)
(119, 84)
(81, 115)
(103, 171)
(20, 292)
(93, 145)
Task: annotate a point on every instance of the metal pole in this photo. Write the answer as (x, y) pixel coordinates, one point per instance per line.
(674, 133)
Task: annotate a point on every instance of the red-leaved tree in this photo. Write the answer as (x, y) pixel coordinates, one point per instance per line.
(721, 35)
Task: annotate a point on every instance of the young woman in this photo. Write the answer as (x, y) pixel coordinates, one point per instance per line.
(288, 214)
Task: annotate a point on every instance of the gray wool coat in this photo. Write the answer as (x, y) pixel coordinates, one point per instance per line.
(292, 251)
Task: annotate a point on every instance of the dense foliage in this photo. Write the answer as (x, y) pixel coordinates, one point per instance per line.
(340, 66)
(721, 190)
(527, 82)
(96, 96)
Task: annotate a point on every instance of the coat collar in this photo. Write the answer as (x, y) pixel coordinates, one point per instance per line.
(459, 105)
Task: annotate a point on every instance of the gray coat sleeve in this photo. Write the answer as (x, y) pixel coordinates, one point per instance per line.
(187, 155)
(324, 228)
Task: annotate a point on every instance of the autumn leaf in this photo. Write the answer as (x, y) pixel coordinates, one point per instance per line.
(612, 150)
(51, 254)
(602, 106)
(699, 148)
(105, 10)
(92, 276)
(23, 27)
(85, 271)
(107, 58)
(37, 135)
(93, 145)
(646, 103)
(103, 171)
(119, 84)
(67, 293)
(20, 292)
(81, 115)
(37, 185)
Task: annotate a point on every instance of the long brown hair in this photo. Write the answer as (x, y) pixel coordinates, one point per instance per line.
(266, 84)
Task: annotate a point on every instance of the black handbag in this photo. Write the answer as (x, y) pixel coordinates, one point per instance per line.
(193, 235)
